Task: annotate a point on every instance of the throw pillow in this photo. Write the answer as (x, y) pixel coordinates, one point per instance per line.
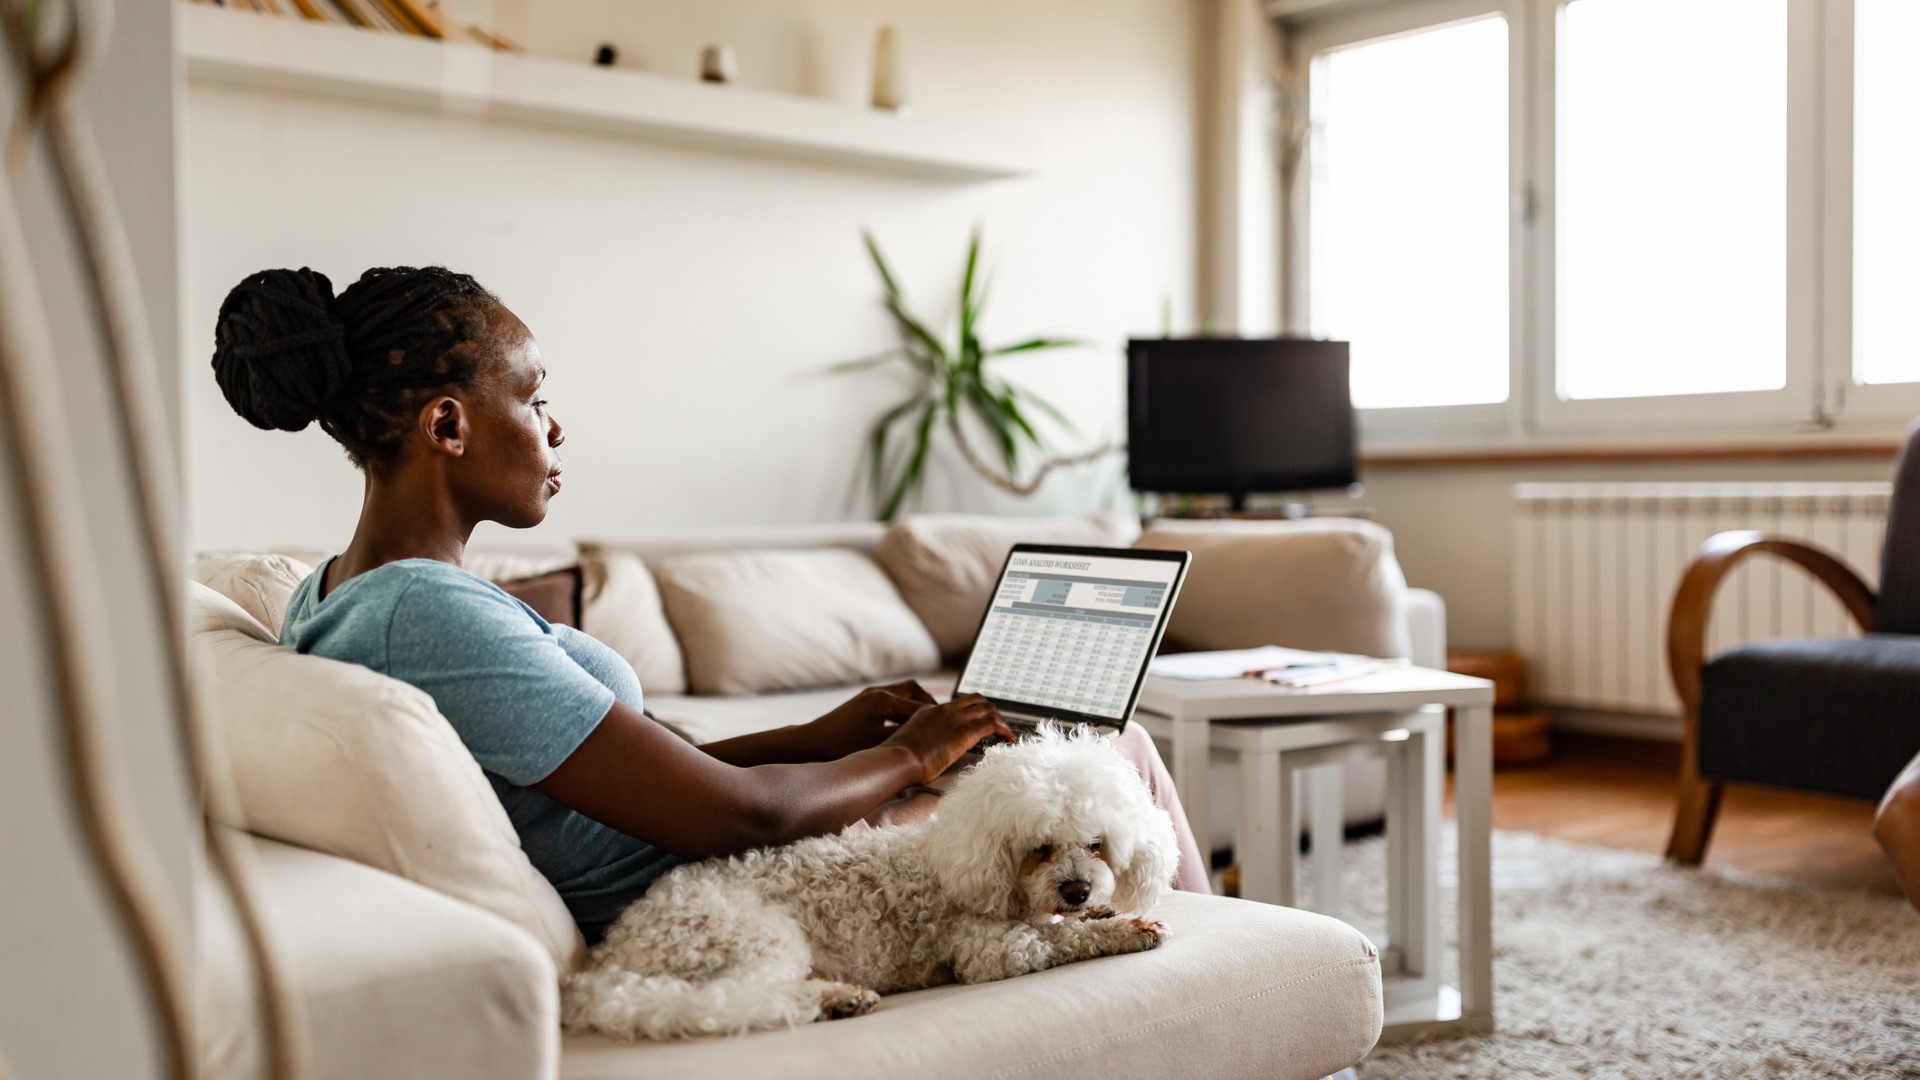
(946, 564)
(555, 596)
(620, 605)
(341, 759)
(1321, 583)
(752, 621)
(260, 584)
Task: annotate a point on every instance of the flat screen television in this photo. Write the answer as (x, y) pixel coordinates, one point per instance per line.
(1238, 416)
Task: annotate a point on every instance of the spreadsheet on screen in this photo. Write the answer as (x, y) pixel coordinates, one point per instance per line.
(1069, 632)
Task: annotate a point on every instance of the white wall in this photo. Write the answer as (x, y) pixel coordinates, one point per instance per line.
(71, 996)
(688, 300)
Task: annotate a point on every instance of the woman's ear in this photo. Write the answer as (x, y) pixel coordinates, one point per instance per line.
(443, 423)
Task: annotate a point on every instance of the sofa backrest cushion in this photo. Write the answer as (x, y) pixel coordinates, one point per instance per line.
(341, 759)
(261, 584)
(620, 605)
(1897, 610)
(754, 621)
(1320, 583)
(946, 564)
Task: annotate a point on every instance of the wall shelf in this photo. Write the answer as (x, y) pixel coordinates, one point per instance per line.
(287, 54)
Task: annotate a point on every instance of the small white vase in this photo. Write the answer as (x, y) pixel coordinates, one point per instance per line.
(889, 85)
(717, 64)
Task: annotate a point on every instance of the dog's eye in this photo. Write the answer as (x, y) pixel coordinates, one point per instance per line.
(1043, 852)
(1095, 846)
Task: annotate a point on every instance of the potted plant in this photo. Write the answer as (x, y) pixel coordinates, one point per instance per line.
(957, 385)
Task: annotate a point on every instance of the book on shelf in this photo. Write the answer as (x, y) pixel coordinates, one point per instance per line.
(418, 18)
(317, 10)
(412, 17)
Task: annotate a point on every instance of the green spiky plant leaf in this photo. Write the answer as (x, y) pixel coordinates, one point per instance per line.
(959, 387)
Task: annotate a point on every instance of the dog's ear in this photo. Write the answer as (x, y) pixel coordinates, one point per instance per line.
(970, 857)
(1141, 880)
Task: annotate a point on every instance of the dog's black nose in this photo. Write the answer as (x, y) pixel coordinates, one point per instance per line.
(1075, 891)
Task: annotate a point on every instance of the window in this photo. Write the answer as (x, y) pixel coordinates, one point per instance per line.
(1672, 194)
(1600, 219)
(1886, 191)
(1409, 212)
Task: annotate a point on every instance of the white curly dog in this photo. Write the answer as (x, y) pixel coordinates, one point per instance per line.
(1046, 852)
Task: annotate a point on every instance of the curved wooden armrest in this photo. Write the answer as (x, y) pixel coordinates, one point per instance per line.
(1693, 601)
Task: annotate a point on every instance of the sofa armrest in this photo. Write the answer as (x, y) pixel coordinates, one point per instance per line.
(1315, 583)
(1427, 628)
(391, 978)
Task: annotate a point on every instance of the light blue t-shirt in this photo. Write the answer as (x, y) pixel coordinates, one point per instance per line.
(522, 694)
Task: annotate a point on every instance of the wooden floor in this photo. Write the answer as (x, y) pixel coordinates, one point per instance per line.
(1619, 794)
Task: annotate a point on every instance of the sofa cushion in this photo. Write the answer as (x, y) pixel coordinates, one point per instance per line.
(1835, 715)
(339, 758)
(1321, 583)
(554, 596)
(261, 584)
(946, 564)
(1238, 990)
(620, 606)
(392, 981)
(751, 621)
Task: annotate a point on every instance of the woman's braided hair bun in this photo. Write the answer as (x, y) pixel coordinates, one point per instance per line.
(287, 351)
(279, 353)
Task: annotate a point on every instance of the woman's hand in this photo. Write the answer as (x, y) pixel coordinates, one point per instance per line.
(938, 734)
(865, 720)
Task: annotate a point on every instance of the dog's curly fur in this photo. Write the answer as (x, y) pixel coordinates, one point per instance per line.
(1044, 853)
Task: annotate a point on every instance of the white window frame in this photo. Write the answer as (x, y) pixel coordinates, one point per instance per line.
(1819, 392)
(1466, 423)
(1843, 399)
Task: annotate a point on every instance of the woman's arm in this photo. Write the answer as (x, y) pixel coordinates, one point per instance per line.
(636, 776)
(861, 722)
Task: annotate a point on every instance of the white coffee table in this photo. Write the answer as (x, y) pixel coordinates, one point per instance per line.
(1396, 714)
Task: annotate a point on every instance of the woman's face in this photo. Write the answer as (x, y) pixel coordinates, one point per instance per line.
(511, 467)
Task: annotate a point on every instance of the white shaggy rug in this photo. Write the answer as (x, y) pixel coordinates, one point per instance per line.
(1613, 964)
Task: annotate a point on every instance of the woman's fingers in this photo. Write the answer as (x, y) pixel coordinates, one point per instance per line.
(894, 708)
(909, 689)
(983, 717)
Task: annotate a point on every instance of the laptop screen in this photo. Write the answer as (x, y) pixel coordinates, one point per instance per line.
(1069, 631)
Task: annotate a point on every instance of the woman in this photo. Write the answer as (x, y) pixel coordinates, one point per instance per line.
(433, 388)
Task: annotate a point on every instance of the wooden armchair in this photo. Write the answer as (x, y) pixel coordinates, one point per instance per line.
(1839, 716)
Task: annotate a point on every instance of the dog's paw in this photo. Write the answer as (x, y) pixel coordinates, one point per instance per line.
(1098, 913)
(839, 1001)
(1142, 934)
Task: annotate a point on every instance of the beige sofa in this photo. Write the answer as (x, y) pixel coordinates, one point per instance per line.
(420, 943)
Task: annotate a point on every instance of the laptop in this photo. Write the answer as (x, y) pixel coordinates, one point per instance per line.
(1069, 631)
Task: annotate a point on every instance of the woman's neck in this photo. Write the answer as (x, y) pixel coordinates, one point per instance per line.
(402, 518)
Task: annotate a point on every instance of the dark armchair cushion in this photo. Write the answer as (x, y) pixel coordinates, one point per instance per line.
(1833, 715)
(1898, 609)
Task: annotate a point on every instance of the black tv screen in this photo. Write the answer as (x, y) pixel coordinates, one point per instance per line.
(1218, 415)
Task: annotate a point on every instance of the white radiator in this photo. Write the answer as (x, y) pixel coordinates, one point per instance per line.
(1595, 567)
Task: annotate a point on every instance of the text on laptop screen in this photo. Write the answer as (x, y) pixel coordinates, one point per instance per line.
(1070, 632)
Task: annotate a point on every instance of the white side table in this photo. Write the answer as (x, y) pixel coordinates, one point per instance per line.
(1395, 714)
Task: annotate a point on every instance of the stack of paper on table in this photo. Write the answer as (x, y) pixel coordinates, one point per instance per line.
(1277, 665)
